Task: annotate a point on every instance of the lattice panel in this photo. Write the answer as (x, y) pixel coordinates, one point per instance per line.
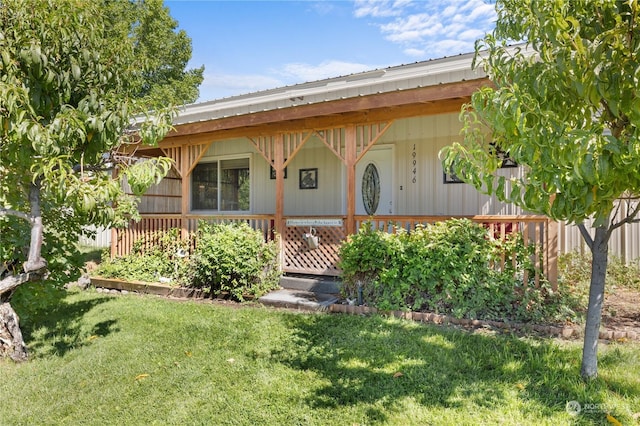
(299, 258)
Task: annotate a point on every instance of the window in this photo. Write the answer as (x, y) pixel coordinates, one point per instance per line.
(221, 185)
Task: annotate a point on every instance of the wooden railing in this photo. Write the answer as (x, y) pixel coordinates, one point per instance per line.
(539, 231)
(122, 240)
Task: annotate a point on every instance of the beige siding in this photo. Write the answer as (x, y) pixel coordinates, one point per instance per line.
(161, 198)
(624, 242)
(328, 198)
(424, 192)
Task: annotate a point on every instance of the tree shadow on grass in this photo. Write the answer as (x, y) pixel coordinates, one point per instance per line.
(381, 362)
(51, 319)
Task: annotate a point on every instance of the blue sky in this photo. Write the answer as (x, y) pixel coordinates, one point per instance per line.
(247, 46)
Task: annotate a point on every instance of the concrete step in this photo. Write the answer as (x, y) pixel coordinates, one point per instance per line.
(299, 299)
(311, 283)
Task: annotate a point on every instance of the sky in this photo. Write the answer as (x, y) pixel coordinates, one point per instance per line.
(248, 46)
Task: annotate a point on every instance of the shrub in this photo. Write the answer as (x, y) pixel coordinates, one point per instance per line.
(448, 264)
(368, 260)
(451, 268)
(574, 270)
(150, 264)
(233, 258)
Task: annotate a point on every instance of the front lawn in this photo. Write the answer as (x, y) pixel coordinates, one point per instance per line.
(129, 360)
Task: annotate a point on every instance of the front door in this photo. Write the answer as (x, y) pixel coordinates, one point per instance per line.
(374, 182)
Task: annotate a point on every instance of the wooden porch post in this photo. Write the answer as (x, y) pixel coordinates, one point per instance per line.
(184, 168)
(279, 168)
(350, 163)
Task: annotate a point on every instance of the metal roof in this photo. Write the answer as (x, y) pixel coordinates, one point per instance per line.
(403, 77)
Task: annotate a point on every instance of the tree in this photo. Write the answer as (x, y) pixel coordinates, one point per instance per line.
(565, 105)
(70, 89)
(164, 51)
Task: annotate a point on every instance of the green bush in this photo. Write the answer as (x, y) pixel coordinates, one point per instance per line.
(159, 260)
(368, 260)
(574, 270)
(234, 259)
(451, 268)
(228, 258)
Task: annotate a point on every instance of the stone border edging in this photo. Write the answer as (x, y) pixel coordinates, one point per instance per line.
(563, 332)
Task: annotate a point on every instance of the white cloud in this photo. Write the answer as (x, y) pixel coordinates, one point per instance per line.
(471, 34)
(379, 8)
(413, 28)
(301, 72)
(322, 7)
(437, 27)
(216, 86)
(481, 10)
(416, 53)
(448, 47)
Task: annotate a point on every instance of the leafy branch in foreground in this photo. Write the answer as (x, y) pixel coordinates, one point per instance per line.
(70, 91)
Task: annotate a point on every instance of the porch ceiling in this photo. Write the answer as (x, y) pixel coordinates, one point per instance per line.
(429, 100)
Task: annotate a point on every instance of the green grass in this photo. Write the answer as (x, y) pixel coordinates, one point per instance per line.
(133, 360)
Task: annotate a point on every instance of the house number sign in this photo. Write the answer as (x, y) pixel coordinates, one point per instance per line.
(414, 164)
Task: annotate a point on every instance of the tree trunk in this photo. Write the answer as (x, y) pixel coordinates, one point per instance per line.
(600, 257)
(11, 341)
(35, 262)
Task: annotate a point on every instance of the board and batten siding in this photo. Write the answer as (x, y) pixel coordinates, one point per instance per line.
(624, 242)
(326, 200)
(423, 191)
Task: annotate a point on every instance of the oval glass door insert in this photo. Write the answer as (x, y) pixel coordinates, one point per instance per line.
(371, 188)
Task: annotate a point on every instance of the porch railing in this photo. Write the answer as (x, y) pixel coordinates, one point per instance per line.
(539, 231)
(122, 240)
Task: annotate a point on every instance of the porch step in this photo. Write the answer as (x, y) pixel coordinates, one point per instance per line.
(312, 283)
(299, 299)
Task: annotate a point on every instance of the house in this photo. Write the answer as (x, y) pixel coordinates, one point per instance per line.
(313, 161)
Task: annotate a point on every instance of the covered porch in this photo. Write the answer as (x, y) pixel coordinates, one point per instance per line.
(303, 159)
